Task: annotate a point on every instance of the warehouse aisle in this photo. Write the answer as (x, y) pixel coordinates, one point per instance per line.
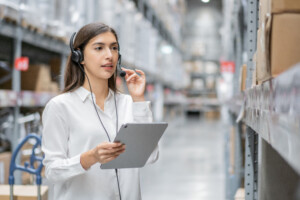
(191, 164)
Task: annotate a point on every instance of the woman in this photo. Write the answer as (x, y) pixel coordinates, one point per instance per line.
(77, 133)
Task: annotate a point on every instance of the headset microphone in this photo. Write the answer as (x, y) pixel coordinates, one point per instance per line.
(122, 73)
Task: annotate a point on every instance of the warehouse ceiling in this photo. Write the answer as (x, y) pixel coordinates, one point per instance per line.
(201, 32)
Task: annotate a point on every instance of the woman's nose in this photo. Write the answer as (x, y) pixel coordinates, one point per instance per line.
(108, 53)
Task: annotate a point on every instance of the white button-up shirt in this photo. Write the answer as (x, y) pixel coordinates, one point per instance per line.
(70, 128)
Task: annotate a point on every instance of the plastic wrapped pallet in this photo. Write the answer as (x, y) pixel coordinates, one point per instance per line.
(9, 10)
(107, 12)
(126, 31)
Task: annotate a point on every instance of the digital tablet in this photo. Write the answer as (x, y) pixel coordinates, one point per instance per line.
(140, 139)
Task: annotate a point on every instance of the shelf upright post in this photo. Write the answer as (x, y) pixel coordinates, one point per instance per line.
(16, 86)
(63, 63)
(252, 25)
(251, 165)
(238, 45)
(251, 146)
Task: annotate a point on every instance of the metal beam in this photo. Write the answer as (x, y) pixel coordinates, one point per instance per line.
(251, 38)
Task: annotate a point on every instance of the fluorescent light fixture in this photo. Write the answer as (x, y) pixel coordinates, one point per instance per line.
(166, 49)
(205, 1)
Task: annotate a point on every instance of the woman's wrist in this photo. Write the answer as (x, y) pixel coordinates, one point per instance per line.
(87, 159)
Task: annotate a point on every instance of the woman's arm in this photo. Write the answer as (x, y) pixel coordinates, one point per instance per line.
(141, 109)
(58, 166)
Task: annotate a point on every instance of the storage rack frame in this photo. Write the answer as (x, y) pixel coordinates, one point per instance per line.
(21, 35)
(270, 112)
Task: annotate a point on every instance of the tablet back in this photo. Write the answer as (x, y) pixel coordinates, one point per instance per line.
(140, 140)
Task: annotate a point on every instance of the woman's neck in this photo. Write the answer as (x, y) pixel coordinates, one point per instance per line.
(99, 88)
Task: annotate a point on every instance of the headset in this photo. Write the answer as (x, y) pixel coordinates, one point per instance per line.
(77, 55)
(77, 58)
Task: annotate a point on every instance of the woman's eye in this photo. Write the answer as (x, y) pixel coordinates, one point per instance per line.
(115, 48)
(99, 48)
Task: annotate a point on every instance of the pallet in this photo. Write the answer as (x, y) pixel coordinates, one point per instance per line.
(9, 14)
(31, 27)
(63, 39)
(9, 20)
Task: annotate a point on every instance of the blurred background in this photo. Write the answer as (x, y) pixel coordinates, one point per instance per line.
(223, 73)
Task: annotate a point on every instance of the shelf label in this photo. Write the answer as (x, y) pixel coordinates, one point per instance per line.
(22, 63)
(227, 66)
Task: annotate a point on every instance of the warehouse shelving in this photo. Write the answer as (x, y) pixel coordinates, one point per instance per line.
(34, 38)
(9, 98)
(19, 38)
(270, 112)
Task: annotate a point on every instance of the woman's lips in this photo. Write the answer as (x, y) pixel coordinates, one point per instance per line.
(107, 66)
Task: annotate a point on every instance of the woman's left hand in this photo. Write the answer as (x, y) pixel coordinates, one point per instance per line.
(135, 84)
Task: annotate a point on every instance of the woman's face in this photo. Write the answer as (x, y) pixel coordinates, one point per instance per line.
(101, 56)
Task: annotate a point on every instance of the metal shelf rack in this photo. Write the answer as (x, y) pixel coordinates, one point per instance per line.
(271, 113)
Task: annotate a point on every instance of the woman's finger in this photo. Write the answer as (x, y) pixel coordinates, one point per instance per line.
(128, 71)
(141, 72)
(106, 158)
(131, 77)
(110, 151)
(108, 145)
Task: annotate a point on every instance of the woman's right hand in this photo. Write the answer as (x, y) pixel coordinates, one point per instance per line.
(102, 153)
(108, 151)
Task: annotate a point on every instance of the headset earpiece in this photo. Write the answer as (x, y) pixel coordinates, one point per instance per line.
(77, 55)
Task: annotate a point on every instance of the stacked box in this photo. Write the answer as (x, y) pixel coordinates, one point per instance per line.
(278, 37)
(23, 192)
(5, 158)
(41, 82)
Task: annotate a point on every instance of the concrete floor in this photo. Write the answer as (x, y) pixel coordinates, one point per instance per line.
(191, 163)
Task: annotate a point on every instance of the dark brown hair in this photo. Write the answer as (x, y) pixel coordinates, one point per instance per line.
(74, 76)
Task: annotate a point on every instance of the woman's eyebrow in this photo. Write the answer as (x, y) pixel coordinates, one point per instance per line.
(101, 43)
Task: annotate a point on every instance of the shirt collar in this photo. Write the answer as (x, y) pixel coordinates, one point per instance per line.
(84, 94)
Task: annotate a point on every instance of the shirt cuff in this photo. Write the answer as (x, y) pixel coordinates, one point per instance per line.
(141, 108)
(77, 165)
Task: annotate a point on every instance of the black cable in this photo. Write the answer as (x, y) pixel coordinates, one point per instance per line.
(117, 121)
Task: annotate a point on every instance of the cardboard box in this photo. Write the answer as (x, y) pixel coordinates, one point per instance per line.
(5, 158)
(280, 6)
(268, 7)
(278, 45)
(243, 77)
(212, 115)
(263, 72)
(37, 78)
(23, 192)
(55, 64)
(285, 42)
(240, 194)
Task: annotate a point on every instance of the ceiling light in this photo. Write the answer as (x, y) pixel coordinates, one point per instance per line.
(166, 49)
(205, 1)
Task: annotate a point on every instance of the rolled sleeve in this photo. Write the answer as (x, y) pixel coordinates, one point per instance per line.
(142, 111)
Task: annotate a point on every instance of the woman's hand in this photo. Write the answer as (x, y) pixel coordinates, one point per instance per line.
(103, 153)
(108, 151)
(135, 84)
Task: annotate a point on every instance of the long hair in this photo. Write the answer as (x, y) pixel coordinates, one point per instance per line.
(74, 77)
